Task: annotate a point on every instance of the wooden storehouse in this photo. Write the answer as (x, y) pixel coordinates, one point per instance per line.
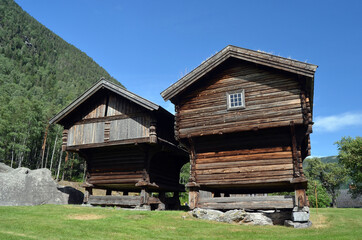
(128, 144)
(245, 117)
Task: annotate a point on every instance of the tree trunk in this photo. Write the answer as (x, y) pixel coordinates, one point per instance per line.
(51, 160)
(60, 162)
(43, 146)
(71, 168)
(334, 199)
(12, 153)
(21, 159)
(46, 158)
(12, 158)
(22, 154)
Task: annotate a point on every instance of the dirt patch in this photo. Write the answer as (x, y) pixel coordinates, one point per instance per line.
(86, 216)
(18, 234)
(320, 221)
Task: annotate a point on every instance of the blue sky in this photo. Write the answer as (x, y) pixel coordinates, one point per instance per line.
(148, 45)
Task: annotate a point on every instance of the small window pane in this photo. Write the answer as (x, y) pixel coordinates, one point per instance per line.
(236, 100)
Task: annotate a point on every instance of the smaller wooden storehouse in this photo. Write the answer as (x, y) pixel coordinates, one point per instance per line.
(128, 144)
(245, 117)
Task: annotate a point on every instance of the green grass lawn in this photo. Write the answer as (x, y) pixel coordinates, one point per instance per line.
(73, 222)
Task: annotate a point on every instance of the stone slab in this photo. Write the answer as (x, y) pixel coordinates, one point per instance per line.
(300, 216)
(290, 223)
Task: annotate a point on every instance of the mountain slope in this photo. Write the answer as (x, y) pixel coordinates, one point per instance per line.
(40, 74)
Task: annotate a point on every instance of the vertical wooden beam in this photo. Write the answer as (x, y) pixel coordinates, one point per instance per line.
(145, 196)
(294, 151)
(194, 197)
(107, 130)
(162, 198)
(176, 197)
(192, 161)
(300, 162)
(65, 139)
(177, 119)
(300, 198)
(87, 194)
(146, 150)
(153, 133)
(192, 185)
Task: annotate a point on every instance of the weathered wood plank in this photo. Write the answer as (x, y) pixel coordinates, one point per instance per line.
(246, 157)
(115, 200)
(247, 169)
(243, 151)
(257, 202)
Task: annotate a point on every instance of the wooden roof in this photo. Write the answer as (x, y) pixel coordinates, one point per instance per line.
(104, 84)
(266, 59)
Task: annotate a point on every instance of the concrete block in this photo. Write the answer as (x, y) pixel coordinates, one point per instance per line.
(300, 216)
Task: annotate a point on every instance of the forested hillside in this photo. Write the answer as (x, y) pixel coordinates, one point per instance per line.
(40, 74)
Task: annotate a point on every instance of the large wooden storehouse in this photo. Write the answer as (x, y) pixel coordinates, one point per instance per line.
(128, 144)
(245, 117)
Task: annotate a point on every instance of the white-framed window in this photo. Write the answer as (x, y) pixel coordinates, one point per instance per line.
(236, 100)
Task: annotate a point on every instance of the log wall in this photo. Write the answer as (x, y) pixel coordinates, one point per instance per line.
(254, 160)
(272, 99)
(120, 166)
(244, 166)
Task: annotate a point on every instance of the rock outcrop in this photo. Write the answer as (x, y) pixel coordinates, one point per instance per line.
(269, 217)
(25, 187)
(240, 216)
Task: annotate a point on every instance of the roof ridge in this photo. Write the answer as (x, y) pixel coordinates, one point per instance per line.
(103, 83)
(266, 59)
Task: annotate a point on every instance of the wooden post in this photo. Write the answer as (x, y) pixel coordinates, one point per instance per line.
(162, 198)
(192, 161)
(300, 198)
(145, 195)
(107, 130)
(87, 194)
(176, 197)
(194, 197)
(153, 134)
(294, 151)
(65, 139)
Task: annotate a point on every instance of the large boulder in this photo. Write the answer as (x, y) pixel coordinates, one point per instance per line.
(5, 168)
(207, 214)
(232, 216)
(238, 216)
(258, 219)
(25, 187)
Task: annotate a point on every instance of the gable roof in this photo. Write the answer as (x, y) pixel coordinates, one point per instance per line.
(101, 85)
(261, 58)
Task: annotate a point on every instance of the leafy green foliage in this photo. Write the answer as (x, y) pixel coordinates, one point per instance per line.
(39, 75)
(330, 175)
(317, 192)
(184, 178)
(350, 156)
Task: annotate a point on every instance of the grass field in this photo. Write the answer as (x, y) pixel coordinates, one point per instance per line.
(75, 222)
